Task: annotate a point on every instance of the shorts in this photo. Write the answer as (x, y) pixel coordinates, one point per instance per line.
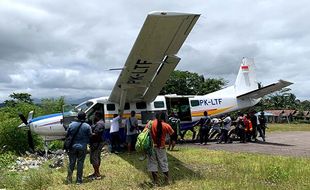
(95, 153)
(158, 157)
(131, 139)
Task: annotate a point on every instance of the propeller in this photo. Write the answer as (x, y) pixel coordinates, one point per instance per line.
(29, 135)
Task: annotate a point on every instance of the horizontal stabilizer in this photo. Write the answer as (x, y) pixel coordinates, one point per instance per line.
(259, 93)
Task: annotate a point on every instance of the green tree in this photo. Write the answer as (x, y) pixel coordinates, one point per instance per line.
(51, 105)
(22, 97)
(188, 83)
(13, 138)
(283, 99)
(305, 105)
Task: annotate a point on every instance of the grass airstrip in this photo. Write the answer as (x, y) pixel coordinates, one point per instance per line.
(190, 168)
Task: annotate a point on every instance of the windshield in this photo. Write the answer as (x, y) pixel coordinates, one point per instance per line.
(84, 106)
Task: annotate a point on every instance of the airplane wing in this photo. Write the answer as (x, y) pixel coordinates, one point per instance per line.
(153, 56)
(258, 93)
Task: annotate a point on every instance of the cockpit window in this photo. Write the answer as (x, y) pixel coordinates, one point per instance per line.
(83, 107)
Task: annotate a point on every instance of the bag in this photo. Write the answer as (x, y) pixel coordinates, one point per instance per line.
(174, 122)
(132, 128)
(69, 139)
(205, 123)
(144, 140)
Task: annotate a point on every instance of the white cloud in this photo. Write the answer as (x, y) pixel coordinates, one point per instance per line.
(55, 48)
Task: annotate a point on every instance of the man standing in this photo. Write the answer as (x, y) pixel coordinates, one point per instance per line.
(204, 129)
(96, 144)
(114, 133)
(175, 124)
(262, 125)
(240, 127)
(227, 124)
(80, 133)
(253, 119)
(132, 131)
(159, 130)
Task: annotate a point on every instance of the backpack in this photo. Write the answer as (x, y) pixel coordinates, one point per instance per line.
(174, 122)
(144, 140)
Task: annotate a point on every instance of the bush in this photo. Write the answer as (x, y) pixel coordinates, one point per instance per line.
(6, 159)
(13, 138)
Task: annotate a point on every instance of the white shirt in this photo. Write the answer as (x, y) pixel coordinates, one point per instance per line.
(227, 123)
(115, 124)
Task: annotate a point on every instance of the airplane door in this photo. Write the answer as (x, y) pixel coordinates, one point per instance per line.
(179, 105)
(69, 113)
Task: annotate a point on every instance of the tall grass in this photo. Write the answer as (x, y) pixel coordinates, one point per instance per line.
(190, 168)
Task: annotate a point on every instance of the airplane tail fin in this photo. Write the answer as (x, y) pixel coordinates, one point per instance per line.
(246, 78)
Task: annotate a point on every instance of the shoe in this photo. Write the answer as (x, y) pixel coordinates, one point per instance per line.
(69, 179)
(91, 177)
(98, 177)
(141, 158)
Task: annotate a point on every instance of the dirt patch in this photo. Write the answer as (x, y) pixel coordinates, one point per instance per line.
(295, 143)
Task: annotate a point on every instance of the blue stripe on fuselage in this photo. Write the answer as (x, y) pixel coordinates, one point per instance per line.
(45, 117)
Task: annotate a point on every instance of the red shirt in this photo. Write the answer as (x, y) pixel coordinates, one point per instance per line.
(166, 129)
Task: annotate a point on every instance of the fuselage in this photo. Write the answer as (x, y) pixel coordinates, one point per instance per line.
(188, 108)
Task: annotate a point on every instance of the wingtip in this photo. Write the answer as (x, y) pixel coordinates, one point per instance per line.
(286, 82)
(168, 13)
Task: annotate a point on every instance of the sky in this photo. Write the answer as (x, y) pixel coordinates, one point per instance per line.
(65, 48)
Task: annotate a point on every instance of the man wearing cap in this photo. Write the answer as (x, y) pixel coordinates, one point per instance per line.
(262, 125)
(81, 133)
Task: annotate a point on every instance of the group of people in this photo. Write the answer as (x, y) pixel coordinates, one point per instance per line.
(83, 134)
(246, 127)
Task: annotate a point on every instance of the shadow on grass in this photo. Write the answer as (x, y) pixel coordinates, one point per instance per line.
(177, 169)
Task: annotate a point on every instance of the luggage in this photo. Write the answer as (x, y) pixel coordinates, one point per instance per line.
(144, 140)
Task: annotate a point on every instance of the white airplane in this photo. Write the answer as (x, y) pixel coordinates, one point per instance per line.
(148, 67)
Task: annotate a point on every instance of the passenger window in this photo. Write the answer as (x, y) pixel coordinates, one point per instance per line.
(141, 105)
(111, 107)
(159, 104)
(127, 106)
(194, 103)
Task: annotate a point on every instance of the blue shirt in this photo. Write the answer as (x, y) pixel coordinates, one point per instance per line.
(82, 137)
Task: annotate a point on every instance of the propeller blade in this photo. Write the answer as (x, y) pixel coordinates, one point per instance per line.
(30, 140)
(23, 118)
(30, 115)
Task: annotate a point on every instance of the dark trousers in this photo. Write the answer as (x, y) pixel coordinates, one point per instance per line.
(77, 157)
(254, 132)
(115, 141)
(242, 135)
(261, 132)
(224, 136)
(204, 135)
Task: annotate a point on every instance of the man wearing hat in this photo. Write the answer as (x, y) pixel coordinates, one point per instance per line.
(80, 132)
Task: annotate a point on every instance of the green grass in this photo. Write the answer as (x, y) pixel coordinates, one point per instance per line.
(190, 168)
(288, 127)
